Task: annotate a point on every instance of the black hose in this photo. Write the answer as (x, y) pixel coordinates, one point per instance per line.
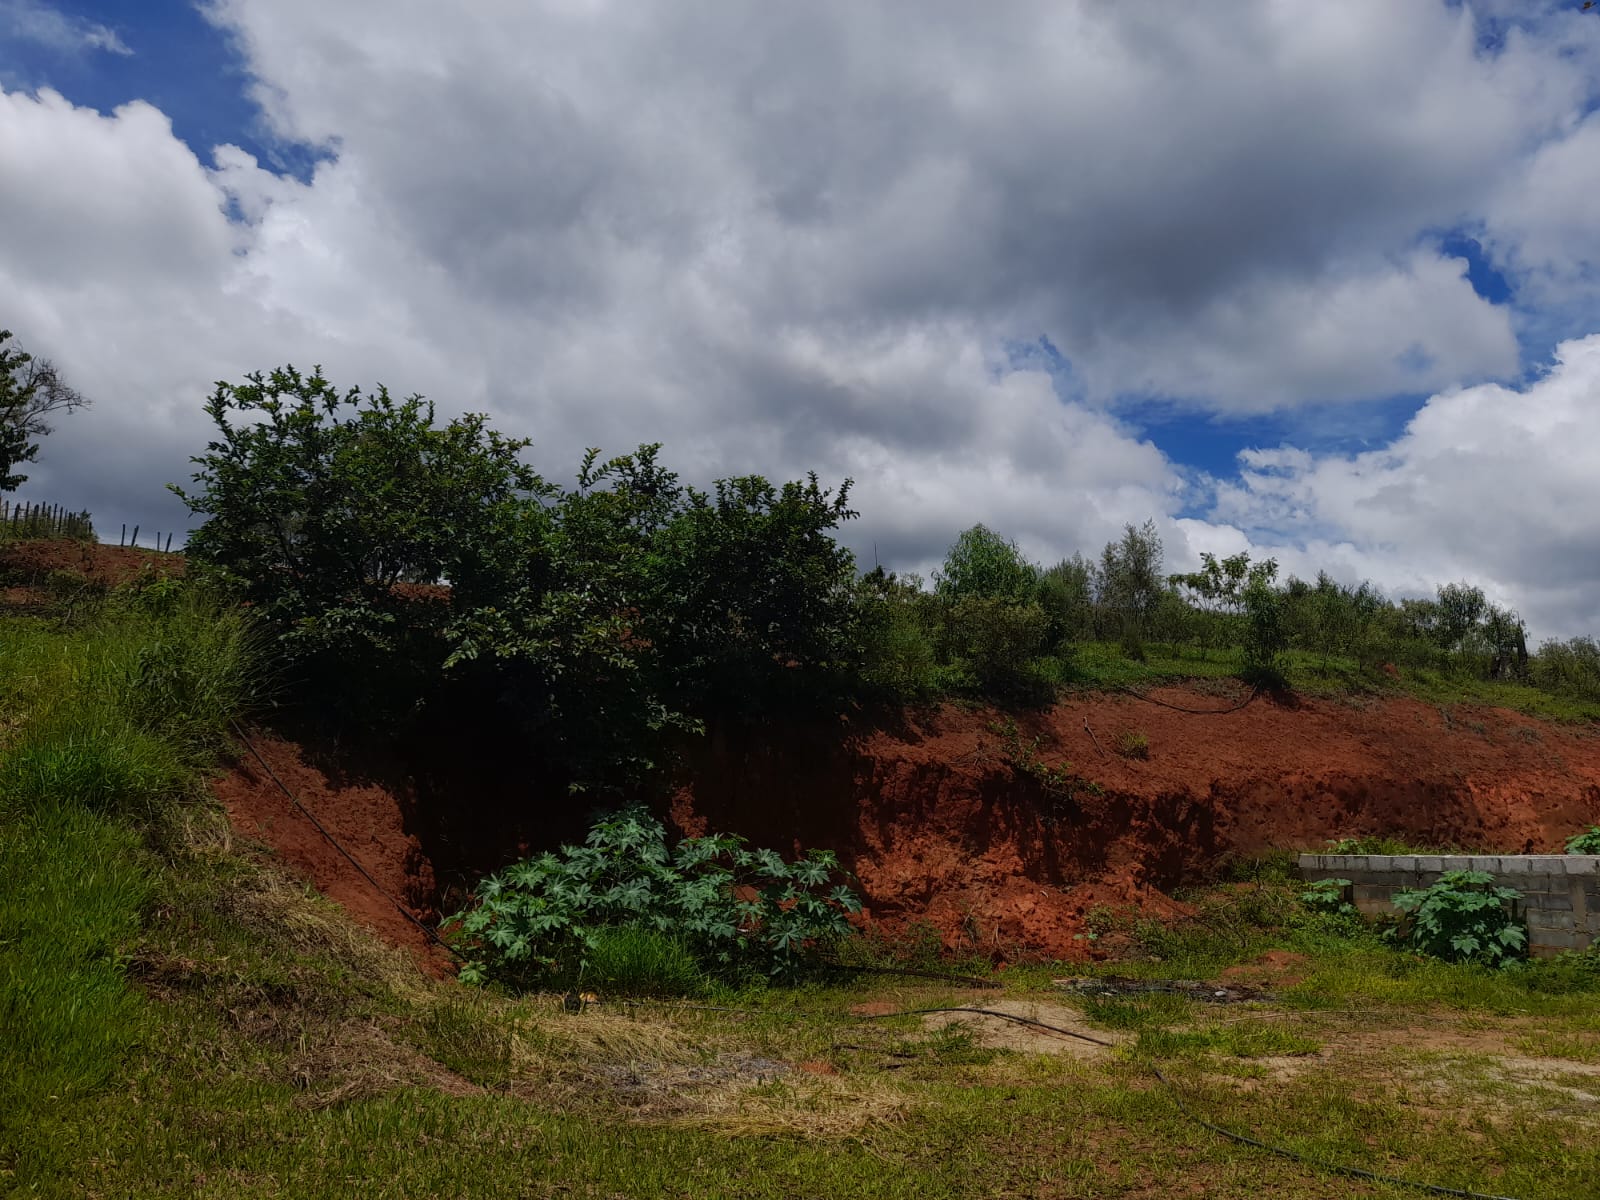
(1254, 695)
(334, 842)
(1242, 1139)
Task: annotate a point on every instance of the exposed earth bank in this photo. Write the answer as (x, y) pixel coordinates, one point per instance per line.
(948, 815)
(1006, 836)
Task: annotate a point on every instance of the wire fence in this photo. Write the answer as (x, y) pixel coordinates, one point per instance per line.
(23, 519)
(125, 539)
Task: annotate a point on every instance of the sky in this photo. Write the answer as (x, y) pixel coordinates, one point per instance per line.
(1319, 281)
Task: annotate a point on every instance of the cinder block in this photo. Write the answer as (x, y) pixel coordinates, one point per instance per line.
(1551, 921)
(1516, 864)
(1388, 879)
(1484, 863)
(1555, 941)
(1551, 902)
(1430, 864)
(1581, 864)
(1404, 862)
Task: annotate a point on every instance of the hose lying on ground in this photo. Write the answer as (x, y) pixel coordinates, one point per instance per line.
(1177, 1098)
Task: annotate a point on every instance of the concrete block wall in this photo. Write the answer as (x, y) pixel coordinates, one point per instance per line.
(1560, 892)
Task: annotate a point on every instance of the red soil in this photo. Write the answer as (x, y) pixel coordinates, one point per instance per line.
(938, 825)
(932, 815)
(31, 562)
(366, 817)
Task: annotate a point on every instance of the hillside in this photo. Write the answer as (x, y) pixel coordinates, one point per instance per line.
(1004, 831)
(182, 1016)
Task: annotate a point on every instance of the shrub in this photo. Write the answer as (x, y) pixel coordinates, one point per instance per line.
(897, 624)
(1587, 842)
(1328, 896)
(1572, 667)
(1464, 918)
(997, 640)
(1060, 783)
(556, 918)
(1266, 634)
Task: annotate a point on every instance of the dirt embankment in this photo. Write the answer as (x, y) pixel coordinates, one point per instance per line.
(364, 811)
(937, 822)
(932, 813)
(28, 569)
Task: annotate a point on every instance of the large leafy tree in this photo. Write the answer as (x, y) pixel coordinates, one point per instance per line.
(567, 618)
(756, 602)
(337, 514)
(983, 565)
(400, 561)
(31, 390)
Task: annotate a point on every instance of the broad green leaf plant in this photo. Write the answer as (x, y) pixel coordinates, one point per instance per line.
(1587, 842)
(1464, 917)
(737, 910)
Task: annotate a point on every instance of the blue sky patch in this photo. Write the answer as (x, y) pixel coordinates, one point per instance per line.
(176, 60)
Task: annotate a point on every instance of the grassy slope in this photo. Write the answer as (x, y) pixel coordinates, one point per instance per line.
(1103, 665)
(180, 1020)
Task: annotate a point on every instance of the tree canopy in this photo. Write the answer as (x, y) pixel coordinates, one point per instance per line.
(31, 390)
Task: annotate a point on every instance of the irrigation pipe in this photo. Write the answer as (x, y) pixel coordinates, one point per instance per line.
(405, 912)
(1231, 1135)
(1254, 695)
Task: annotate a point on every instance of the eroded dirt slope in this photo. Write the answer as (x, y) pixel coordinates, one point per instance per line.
(365, 814)
(933, 814)
(938, 822)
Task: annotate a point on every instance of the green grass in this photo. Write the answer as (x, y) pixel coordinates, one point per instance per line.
(124, 708)
(181, 1020)
(1100, 665)
(75, 883)
(1256, 1039)
(631, 960)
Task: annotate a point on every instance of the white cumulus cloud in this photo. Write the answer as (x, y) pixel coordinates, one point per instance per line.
(783, 237)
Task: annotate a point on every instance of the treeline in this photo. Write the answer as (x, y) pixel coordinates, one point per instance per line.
(406, 570)
(992, 622)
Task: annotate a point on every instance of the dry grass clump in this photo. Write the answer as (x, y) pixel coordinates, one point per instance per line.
(651, 1068)
(259, 899)
(1132, 743)
(800, 1104)
(355, 1059)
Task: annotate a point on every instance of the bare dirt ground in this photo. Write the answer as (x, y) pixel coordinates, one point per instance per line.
(942, 828)
(30, 569)
(932, 813)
